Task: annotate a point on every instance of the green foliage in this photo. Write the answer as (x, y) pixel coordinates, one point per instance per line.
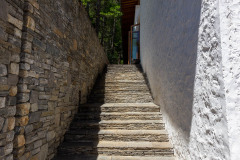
(105, 16)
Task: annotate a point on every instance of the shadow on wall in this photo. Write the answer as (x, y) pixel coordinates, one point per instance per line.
(169, 41)
(82, 138)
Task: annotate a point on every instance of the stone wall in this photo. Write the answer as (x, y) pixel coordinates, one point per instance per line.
(11, 24)
(190, 54)
(50, 59)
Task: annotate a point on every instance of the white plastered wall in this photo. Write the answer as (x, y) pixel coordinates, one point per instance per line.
(230, 44)
(190, 53)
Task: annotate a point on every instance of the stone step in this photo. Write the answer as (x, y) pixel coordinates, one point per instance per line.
(109, 79)
(121, 86)
(103, 157)
(123, 71)
(133, 68)
(118, 148)
(127, 127)
(119, 124)
(123, 76)
(119, 107)
(119, 116)
(120, 92)
(117, 135)
(129, 82)
(123, 94)
(114, 79)
(120, 98)
(123, 65)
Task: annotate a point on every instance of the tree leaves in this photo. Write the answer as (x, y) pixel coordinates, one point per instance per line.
(105, 16)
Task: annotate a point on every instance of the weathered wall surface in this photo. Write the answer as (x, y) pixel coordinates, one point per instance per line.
(230, 40)
(11, 18)
(50, 56)
(209, 131)
(181, 52)
(169, 38)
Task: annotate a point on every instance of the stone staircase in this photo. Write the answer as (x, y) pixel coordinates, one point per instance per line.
(119, 122)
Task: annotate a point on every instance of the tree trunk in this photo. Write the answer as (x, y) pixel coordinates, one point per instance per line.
(113, 35)
(98, 15)
(87, 8)
(103, 32)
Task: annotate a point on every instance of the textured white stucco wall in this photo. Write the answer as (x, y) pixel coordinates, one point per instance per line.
(190, 52)
(169, 41)
(209, 131)
(230, 43)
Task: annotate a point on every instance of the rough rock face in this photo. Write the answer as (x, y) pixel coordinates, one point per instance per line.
(50, 57)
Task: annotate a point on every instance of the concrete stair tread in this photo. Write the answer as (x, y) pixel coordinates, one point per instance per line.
(120, 105)
(121, 90)
(121, 113)
(145, 145)
(127, 121)
(120, 144)
(121, 94)
(103, 157)
(125, 81)
(121, 132)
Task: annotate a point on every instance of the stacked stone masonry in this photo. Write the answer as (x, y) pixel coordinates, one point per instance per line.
(50, 58)
(119, 122)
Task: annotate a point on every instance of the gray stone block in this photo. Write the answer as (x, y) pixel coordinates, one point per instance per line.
(34, 107)
(37, 144)
(34, 97)
(15, 58)
(39, 43)
(1, 123)
(3, 112)
(43, 107)
(43, 81)
(2, 102)
(25, 66)
(43, 152)
(10, 136)
(8, 148)
(3, 93)
(19, 130)
(3, 80)
(3, 70)
(12, 79)
(2, 153)
(3, 34)
(28, 128)
(12, 101)
(23, 97)
(14, 68)
(9, 157)
(3, 10)
(42, 102)
(5, 57)
(34, 117)
(2, 142)
(11, 111)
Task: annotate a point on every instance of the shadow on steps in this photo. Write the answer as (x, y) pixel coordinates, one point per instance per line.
(119, 121)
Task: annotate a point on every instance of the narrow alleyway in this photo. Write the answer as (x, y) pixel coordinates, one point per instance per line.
(119, 122)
